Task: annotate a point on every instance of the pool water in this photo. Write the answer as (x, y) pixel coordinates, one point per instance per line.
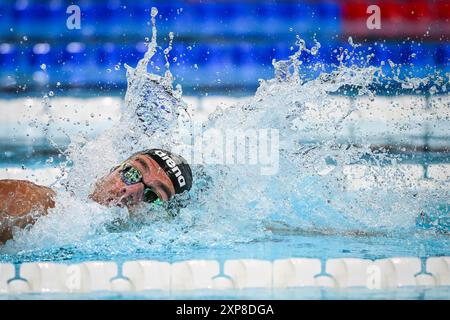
(174, 240)
(278, 246)
(407, 293)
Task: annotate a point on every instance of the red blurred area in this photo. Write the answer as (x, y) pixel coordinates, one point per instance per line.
(443, 10)
(416, 18)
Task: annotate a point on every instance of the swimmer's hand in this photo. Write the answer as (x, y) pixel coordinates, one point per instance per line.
(21, 202)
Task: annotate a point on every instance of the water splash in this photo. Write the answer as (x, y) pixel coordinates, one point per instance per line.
(232, 204)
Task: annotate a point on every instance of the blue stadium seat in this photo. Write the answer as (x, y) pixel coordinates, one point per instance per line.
(197, 64)
(263, 54)
(41, 57)
(168, 14)
(329, 51)
(215, 19)
(200, 54)
(21, 14)
(104, 20)
(111, 60)
(305, 17)
(187, 22)
(129, 55)
(6, 20)
(74, 62)
(388, 51)
(443, 57)
(361, 53)
(247, 18)
(276, 18)
(107, 55)
(10, 58)
(51, 19)
(415, 59)
(423, 53)
(281, 51)
(135, 20)
(248, 70)
(329, 15)
(181, 68)
(219, 64)
(422, 57)
(257, 31)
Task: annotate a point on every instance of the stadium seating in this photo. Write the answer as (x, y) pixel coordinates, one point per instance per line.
(217, 43)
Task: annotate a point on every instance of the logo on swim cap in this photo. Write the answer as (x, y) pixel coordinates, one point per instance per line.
(174, 168)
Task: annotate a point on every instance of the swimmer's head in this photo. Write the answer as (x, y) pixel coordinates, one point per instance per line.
(151, 176)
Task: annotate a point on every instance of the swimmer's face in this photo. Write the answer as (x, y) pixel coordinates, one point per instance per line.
(113, 190)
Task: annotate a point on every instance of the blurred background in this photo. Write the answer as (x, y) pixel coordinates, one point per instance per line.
(221, 49)
(219, 45)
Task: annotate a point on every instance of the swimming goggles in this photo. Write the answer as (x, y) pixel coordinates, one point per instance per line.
(131, 175)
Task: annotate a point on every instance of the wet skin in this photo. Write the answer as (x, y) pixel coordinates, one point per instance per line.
(22, 202)
(111, 190)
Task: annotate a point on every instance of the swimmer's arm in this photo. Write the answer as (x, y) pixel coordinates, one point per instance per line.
(21, 202)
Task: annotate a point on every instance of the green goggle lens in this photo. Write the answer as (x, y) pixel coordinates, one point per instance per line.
(149, 195)
(130, 175)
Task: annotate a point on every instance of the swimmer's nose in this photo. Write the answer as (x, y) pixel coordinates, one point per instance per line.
(107, 193)
(131, 194)
(113, 191)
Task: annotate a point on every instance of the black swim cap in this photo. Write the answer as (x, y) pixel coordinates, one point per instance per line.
(175, 166)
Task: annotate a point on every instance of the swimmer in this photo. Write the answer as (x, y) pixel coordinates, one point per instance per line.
(150, 176)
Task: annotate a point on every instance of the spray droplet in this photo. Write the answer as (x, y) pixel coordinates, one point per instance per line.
(51, 93)
(58, 84)
(350, 41)
(195, 66)
(117, 67)
(25, 38)
(43, 66)
(391, 63)
(154, 12)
